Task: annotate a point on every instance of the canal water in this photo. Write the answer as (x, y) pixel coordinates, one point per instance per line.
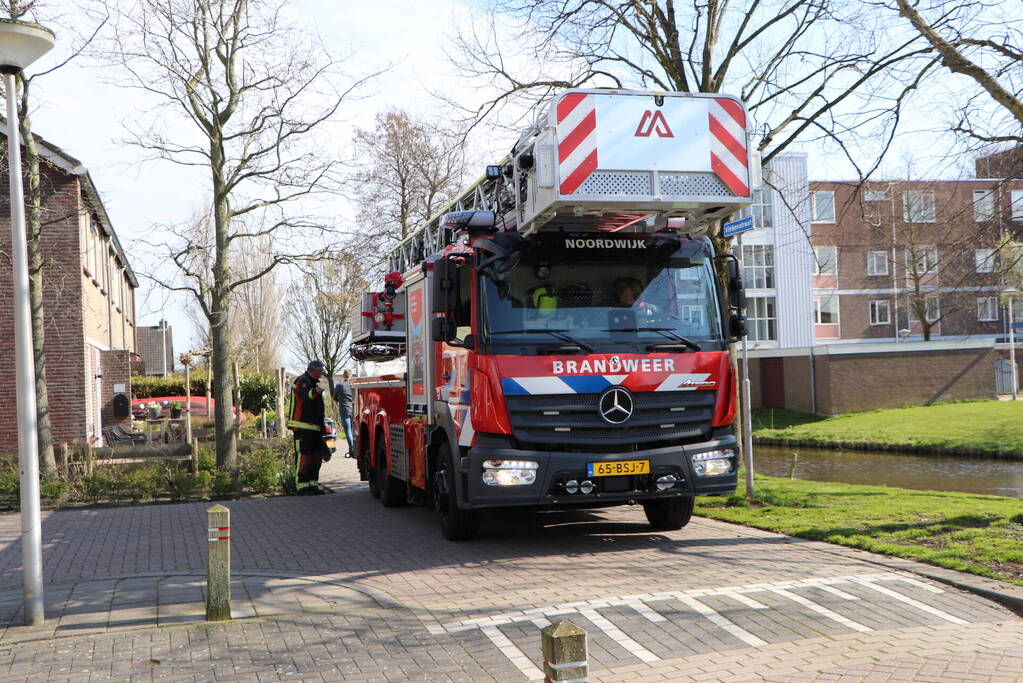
(929, 473)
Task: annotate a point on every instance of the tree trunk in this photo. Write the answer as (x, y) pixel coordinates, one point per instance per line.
(220, 315)
(33, 216)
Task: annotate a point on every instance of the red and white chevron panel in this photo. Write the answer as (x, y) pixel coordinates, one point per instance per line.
(577, 131)
(729, 158)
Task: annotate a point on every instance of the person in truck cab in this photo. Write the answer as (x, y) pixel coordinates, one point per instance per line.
(628, 291)
(305, 420)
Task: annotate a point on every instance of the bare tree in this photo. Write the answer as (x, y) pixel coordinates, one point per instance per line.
(258, 321)
(251, 93)
(411, 168)
(321, 310)
(982, 41)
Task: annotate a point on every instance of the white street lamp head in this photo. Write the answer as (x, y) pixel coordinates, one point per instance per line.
(22, 43)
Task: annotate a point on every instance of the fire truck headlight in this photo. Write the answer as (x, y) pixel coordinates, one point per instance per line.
(713, 463)
(509, 472)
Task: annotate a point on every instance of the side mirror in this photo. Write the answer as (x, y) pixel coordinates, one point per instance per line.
(442, 329)
(737, 326)
(736, 289)
(445, 288)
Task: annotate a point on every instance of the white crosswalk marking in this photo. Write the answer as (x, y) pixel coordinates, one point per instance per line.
(745, 599)
(615, 633)
(821, 609)
(736, 630)
(650, 614)
(915, 603)
(506, 646)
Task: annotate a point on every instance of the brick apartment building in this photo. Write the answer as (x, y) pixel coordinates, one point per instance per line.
(891, 254)
(838, 275)
(156, 347)
(89, 299)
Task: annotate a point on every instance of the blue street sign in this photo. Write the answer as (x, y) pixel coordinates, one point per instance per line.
(1017, 326)
(735, 227)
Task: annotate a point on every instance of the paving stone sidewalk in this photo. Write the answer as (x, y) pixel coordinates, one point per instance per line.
(337, 588)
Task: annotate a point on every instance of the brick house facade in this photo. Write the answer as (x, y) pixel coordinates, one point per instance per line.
(89, 302)
(890, 254)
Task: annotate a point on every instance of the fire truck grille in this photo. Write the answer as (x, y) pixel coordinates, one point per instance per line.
(573, 419)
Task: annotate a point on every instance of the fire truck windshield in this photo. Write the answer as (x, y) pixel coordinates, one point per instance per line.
(607, 299)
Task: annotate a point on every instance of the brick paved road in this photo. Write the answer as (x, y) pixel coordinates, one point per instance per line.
(655, 604)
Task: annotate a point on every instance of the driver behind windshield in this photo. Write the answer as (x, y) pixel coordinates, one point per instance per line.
(628, 292)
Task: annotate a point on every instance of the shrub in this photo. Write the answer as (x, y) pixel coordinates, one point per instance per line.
(226, 485)
(258, 392)
(55, 491)
(260, 470)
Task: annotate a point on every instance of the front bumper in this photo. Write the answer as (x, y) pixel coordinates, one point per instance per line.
(556, 467)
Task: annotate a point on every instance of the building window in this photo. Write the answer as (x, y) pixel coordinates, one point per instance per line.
(757, 266)
(762, 208)
(918, 206)
(984, 260)
(825, 260)
(823, 206)
(760, 318)
(1016, 202)
(933, 308)
(874, 195)
(922, 259)
(880, 312)
(987, 308)
(983, 205)
(877, 263)
(825, 309)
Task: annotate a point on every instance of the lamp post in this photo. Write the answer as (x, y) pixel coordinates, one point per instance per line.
(22, 43)
(1010, 295)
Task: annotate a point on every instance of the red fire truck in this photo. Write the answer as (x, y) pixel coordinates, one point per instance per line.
(560, 331)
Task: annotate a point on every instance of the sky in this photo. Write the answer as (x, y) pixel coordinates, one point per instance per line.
(83, 110)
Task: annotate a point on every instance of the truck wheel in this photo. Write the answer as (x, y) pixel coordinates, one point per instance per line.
(371, 472)
(456, 524)
(392, 491)
(669, 515)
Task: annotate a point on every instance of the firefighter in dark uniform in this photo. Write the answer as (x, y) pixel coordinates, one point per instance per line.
(305, 420)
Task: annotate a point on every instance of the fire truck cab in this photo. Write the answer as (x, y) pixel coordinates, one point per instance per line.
(562, 330)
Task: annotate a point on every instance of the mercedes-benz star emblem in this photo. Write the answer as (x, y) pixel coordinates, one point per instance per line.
(616, 405)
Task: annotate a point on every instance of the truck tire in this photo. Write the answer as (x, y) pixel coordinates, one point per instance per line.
(392, 491)
(456, 524)
(669, 515)
(371, 472)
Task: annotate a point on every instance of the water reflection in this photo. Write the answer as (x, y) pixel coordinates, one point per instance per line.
(931, 473)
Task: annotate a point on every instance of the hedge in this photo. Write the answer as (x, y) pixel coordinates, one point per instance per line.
(258, 391)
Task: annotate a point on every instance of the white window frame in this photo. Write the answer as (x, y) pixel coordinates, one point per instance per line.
(817, 261)
(918, 206)
(757, 262)
(931, 317)
(984, 260)
(874, 195)
(816, 216)
(758, 318)
(875, 308)
(987, 309)
(929, 253)
(1016, 204)
(817, 309)
(873, 259)
(983, 205)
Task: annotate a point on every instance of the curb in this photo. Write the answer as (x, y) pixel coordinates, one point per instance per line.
(906, 448)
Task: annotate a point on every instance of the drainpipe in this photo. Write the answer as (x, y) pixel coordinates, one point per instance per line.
(110, 300)
(163, 345)
(813, 381)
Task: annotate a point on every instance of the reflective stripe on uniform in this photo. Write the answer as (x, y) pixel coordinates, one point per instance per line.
(295, 424)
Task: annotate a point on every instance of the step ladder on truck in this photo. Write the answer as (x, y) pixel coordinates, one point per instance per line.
(560, 336)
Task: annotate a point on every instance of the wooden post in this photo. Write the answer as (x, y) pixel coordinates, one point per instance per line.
(194, 452)
(792, 465)
(564, 652)
(218, 564)
(237, 398)
(188, 403)
(90, 457)
(262, 416)
(280, 403)
(65, 457)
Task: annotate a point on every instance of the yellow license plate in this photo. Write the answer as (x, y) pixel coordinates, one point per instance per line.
(617, 468)
(329, 442)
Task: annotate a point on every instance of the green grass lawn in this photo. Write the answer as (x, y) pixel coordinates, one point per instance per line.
(961, 531)
(987, 426)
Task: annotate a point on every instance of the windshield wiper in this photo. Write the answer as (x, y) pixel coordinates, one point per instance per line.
(666, 332)
(560, 334)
